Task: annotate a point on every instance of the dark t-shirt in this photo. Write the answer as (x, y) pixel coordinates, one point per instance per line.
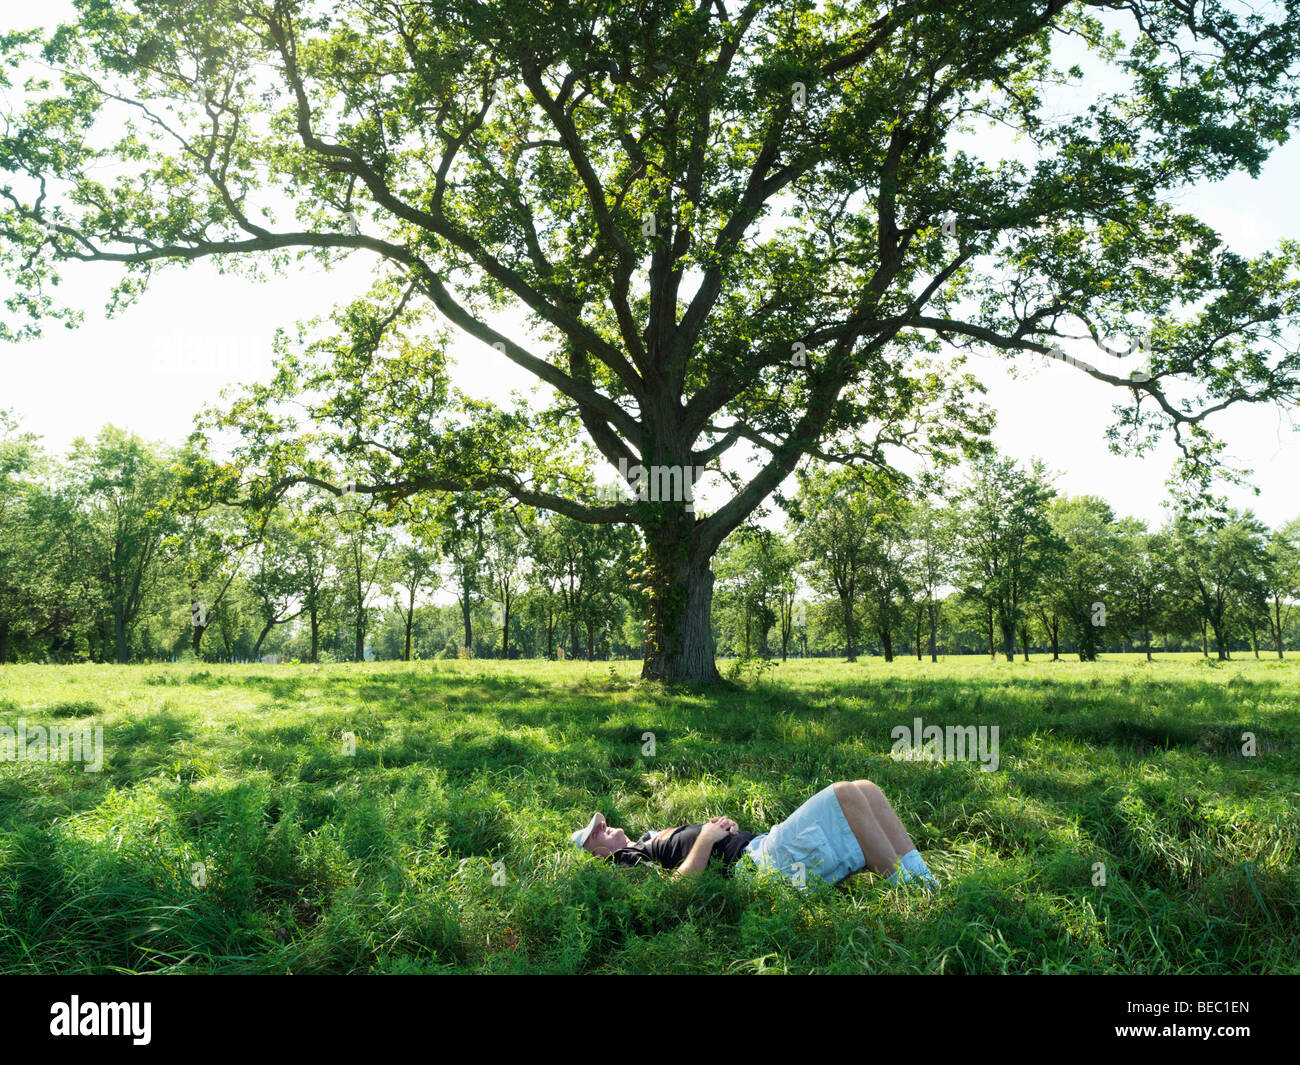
(672, 850)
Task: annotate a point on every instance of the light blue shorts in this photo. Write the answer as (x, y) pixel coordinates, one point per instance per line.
(816, 837)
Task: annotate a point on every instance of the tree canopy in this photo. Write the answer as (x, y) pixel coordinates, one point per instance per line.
(722, 223)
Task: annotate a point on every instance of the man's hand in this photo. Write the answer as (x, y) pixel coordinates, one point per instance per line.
(727, 823)
(714, 830)
(710, 832)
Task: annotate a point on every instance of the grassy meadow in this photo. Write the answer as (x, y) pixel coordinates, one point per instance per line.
(439, 845)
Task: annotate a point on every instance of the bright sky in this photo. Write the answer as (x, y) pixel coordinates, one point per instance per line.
(196, 331)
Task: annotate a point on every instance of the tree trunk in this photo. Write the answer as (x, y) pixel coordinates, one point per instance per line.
(1024, 641)
(887, 644)
(1277, 625)
(679, 638)
(315, 635)
(257, 647)
(1218, 642)
(410, 619)
(993, 650)
(846, 603)
(934, 654)
(119, 636)
(920, 620)
(4, 643)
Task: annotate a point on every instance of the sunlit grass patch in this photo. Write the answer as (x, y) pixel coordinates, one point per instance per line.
(438, 842)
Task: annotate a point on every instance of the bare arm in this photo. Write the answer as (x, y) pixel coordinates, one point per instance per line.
(698, 858)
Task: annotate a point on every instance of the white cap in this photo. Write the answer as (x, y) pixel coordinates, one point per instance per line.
(580, 837)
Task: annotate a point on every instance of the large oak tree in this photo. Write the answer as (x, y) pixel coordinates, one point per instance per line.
(729, 225)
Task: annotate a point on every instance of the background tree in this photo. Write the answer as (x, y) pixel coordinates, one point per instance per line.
(32, 601)
(882, 578)
(364, 543)
(206, 546)
(546, 575)
(504, 560)
(312, 534)
(1141, 578)
(727, 223)
(834, 515)
(784, 564)
(464, 545)
(275, 579)
(1282, 578)
(414, 571)
(930, 560)
(1080, 569)
(1220, 562)
(118, 486)
(1005, 539)
(750, 574)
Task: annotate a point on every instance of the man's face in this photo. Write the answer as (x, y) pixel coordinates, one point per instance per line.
(604, 840)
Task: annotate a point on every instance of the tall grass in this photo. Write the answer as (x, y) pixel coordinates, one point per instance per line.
(440, 845)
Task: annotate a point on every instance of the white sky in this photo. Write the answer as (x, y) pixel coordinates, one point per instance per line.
(197, 331)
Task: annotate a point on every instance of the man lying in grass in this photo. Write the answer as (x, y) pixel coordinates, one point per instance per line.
(845, 828)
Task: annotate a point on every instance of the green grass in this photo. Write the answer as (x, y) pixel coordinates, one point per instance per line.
(383, 861)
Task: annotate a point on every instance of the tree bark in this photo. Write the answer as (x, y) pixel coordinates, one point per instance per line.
(846, 604)
(1277, 626)
(1218, 642)
(679, 638)
(196, 637)
(257, 647)
(119, 636)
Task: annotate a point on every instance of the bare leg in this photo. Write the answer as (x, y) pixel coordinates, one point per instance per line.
(876, 846)
(886, 818)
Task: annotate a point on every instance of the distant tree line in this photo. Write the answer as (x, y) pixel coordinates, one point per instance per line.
(110, 554)
(1000, 563)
